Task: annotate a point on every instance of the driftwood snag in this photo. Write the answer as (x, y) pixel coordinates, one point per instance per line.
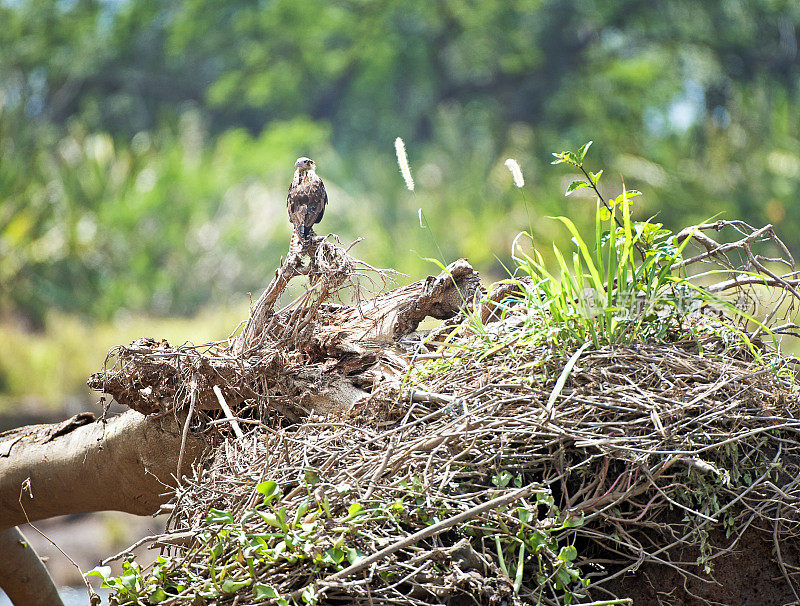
(612, 442)
(313, 355)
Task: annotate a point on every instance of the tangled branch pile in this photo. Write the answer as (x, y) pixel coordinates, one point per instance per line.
(475, 463)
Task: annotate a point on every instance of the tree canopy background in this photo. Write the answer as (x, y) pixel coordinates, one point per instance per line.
(147, 146)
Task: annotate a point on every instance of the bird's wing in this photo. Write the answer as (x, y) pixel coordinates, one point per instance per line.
(318, 199)
(306, 204)
(297, 204)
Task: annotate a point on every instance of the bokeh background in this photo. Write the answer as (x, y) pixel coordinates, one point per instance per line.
(146, 146)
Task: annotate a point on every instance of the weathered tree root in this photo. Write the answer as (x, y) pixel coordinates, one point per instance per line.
(292, 375)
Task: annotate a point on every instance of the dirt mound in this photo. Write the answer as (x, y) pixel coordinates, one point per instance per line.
(354, 459)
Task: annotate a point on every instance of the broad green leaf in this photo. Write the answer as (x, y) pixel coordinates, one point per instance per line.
(218, 516)
(333, 556)
(309, 595)
(100, 571)
(502, 479)
(129, 581)
(264, 592)
(576, 185)
(270, 490)
(158, 596)
(584, 148)
(354, 510)
(354, 556)
(273, 520)
(572, 522)
(311, 476)
(524, 515)
(545, 498)
(568, 553)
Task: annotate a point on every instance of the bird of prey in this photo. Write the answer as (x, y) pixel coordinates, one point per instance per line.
(305, 203)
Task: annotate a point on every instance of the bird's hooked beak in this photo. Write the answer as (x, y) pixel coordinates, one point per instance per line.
(299, 163)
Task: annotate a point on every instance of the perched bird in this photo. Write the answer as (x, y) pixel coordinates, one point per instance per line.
(305, 203)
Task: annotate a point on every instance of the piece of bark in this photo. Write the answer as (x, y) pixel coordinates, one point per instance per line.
(332, 393)
(378, 322)
(22, 574)
(491, 309)
(126, 464)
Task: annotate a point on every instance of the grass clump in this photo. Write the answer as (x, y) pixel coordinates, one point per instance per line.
(628, 283)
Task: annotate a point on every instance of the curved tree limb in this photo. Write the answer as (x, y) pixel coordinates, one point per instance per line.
(81, 465)
(22, 574)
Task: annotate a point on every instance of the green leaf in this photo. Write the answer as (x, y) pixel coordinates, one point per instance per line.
(571, 522)
(535, 540)
(232, 586)
(576, 185)
(270, 490)
(545, 498)
(520, 568)
(584, 148)
(129, 581)
(354, 556)
(631, 193)
(311, 476)
(309, 595)
(301, 511)
(273, 520)
(333, 556)
(354, 510)
(568, 553)
(596, 176)
(103, 572)
(218, 516)
(326, 506)
(502, 479)
(264, 592)
(158, 596)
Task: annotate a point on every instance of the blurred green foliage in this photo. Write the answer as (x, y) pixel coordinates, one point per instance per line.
(49, 369)
(146, 146)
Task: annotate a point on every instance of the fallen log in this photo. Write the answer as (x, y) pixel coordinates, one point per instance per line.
(126, 464)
